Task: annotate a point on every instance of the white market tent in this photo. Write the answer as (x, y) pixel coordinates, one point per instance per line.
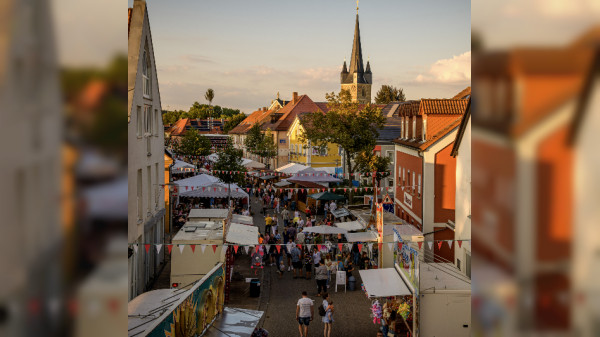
(368, 236)
(282, 183)
(107, 201)
(242, 234)
(324, 230)
(315, 176)
(179, 166)
(248, 163)
(291, 168)
(207, 186)
(383, 283)
(243, 219)
(350, 226)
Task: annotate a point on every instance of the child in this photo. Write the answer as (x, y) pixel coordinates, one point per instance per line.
(281, 268)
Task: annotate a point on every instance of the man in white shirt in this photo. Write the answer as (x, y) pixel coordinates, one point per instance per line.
(332, 206)
(304, 314)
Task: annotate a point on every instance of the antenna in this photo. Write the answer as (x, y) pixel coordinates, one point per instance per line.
(356, 7)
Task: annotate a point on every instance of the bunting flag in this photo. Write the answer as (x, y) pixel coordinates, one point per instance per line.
(299, 246)
(193, 248)
(181, 247)
(449, 242)
(340, 246)
(349, 246)
(360, 247)
(202, 248)
(268, 248)
(214, 248)
(399, 246)
(135, 248)
(420, 243)
(440, 244)
(370, 247)
(158, 247)
(278, 248)
(147, 248)
(170, 247)
(390, 245)
(235, 248)
(309, 247)
(320, 247)
(459, 243)
(430, 244)
(247, 248)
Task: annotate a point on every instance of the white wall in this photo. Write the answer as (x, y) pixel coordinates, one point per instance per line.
(443, 315)
(462, 220)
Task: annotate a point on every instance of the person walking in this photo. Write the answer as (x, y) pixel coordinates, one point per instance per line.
(296, 261)
(329, 265)
(308, 262)
(285, 215)
(321, 277)
(304, 313)
(328, 317)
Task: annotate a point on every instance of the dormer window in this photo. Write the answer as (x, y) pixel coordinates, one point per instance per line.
(146, 66)
(414, 128)
(424, 133)
(402, 128)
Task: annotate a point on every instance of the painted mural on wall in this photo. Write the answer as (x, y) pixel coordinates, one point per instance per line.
(408, 260)
(197, 311)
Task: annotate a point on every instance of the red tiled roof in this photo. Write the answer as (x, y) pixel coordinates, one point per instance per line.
(409, 108)
(442, 106)
(258, 116)
(290, 111)
(463, 94)
(179, 128)
(442, 130)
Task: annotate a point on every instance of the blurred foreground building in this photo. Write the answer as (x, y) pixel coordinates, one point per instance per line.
(146, 207)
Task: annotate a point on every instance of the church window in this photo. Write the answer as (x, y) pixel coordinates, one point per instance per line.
(146, 66)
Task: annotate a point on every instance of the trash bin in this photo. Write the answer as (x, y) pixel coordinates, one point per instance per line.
(254, 287)
(351, 283)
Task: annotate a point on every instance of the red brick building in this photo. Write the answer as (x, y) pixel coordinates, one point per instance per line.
(424, 174)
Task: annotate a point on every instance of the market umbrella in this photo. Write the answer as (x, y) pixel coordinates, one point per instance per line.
(324, 230)
(326, 196)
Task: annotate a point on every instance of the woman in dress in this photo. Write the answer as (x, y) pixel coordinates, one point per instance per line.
(328, 318)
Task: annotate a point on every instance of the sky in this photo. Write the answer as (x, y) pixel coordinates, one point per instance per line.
(247, 51)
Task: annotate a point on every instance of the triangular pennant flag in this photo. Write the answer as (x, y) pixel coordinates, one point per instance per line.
(420, 243)
(370, 247)
(214, 248)
(170, 247)
(430, 244)
(390, 245)
(349, 246)
(440, 244)
(235, 248)
(202, 248)
(268, 247)
(158, 247)
(399, 245)
(247, 248)
(135, 248)
(278, 248)
(449, 242)
(193, 248)
(459, 243)
(320, 247)
(181, 247)
(340, 246)
(299, 246)
(309, 247)
(360, 247)
(147, 248)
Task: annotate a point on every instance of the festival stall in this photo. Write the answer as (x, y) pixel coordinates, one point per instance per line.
(180, 167)
(242, 219)
(350, 226)
(235, 322)
(291, 168)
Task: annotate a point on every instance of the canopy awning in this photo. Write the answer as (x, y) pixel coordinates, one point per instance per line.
(235, 322)
(216, 190)
(340, 212)
(282, 183)
(242, 234)
(267, 177)
(383, 283)
(180, 166)
(243, 219)
(291, 168)
(326, 196)
(368, 236)
(324, 230)
(350, 225)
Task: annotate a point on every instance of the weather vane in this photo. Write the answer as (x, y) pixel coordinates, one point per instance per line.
(356, 6)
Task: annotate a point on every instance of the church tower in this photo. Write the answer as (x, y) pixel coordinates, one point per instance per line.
(357, 79)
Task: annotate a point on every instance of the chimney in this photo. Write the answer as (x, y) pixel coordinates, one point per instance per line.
(264, 108)
(294, 97)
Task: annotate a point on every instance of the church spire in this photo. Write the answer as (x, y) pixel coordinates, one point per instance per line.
(356, 62)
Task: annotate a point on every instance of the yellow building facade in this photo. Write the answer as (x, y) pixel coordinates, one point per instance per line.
(302, 152)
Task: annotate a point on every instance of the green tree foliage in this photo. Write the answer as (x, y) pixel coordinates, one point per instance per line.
(201, 111)
(261, 144)
(192, 144)
(388, 94)
(368, 162)
(230, 160)
(233, 122)
(354, 129)
(209, 96)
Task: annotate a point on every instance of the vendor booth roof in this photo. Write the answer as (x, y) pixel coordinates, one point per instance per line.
(208, 213)
(198, 180)
(282, 183)
(235, 322)
(267, 177)
(324, 230)
(403, 230)
(216, 190)
(291, 168)
(179, 166)
(312, 175)
(326, 196)
(249, 163)
(350, 225)
(383, 282)
(306, 184)
(340, 212)
(442, 276)
(362, 236)
(242, 234)
(243, 219)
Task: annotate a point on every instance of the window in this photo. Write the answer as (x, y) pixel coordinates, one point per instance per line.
(147, 120)
(419, 191)
(406, 128)
(139, 194)
(402, 128)
(403, 176)
(458, 264)
(414, 129)
(149, 182)
(138, 120)
(146, 66)
(424, 129)
(156, 122)
(156, 186)
(391, 156)
(390, 182)
(413, 182)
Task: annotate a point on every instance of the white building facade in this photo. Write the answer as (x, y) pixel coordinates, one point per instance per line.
(145, 150)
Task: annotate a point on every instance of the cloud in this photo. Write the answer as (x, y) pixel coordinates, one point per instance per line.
(197, 59)
(560, 9)
(448, 71)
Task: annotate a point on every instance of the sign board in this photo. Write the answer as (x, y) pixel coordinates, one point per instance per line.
(340, 277)
(387, 199)
(408, 199)
(379, 210)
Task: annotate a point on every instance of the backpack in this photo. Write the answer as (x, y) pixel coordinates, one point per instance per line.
(321, 310)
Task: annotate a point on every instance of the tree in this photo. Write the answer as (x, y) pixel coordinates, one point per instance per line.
(369, 162)
(192, 144)
(354, 129)
(209, 95)
(261, 144)
(230, 160)
(232, 122)
(388, 94)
